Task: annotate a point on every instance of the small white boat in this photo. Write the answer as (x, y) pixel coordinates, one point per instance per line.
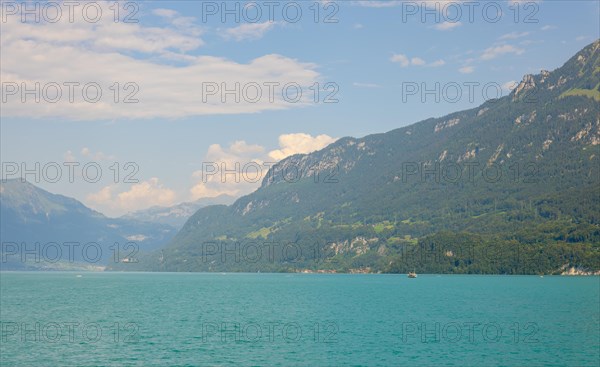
(412, 274)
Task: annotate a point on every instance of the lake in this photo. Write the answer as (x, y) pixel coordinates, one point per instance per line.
(233, 319)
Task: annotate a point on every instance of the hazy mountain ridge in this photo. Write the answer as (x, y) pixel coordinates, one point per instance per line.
(30, 214)
(177, 215)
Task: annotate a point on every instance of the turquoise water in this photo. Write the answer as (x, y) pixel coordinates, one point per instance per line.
(154, 319)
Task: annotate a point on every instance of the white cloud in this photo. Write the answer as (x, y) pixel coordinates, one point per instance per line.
(493, 52)
(299, 143)
(238, 149)
(249, 31)
(145, 194)
(417, 61)
(447, 26)
(165, 13)
(69, 156)
(165, 78)
(401, 59)
(358, 26)
(513, 35)
(209, 190)
(87, 154)
(107, 35)
(466, 69)
(139, 196)
(404, 61)
(245, 159)
(136, 238)
(252, 163)
(548, 27)
(104, 197)
(510, 85)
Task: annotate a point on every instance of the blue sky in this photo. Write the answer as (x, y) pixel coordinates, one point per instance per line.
(369, 54)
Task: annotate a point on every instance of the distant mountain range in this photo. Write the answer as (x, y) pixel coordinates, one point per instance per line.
(63, 227)
(177, 215)
(511, 186)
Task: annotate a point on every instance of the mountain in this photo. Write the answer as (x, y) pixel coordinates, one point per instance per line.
(177, 215)
(511, 186)
(30, 215)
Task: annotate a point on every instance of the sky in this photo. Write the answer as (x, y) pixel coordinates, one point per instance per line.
(128, 105)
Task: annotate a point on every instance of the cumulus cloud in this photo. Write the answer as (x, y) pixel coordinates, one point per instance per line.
(513, 35)
(405, 61)
(510, 85)
(447, 26)
(87, 154)
(291, 144)
(495, 51)
(165, 13)
(139, 196)
(246, 161)
(69, 156)
(417, 61)
(466, 70)
(156, 71)
(104, 197)
(249, 31)
(401, 59)
(249, 162)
